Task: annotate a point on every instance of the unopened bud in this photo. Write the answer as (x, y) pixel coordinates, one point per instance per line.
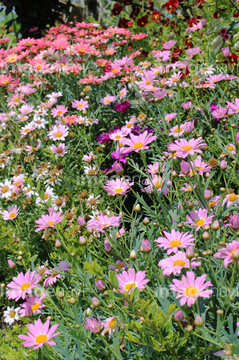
(88, 312)
(215, 225)
(133, 255)
(198, 321)
(57, 244)
(205, 235)
(235, 255)
(189, 328)
(60, 294)
(137, 208)
(100, 285)
(146, 221)
(146, 247)
(72, 301)
(223, 165)
(95, 302)
(178, 316)
(11, 264)
(189, 252)
(207, 194)
(83, 240)
(220, 312)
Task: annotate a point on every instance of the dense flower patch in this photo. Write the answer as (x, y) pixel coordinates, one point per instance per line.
(119, 191)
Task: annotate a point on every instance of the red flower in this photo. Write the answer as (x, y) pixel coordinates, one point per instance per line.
(156, 16)
(192, 22)
(143, 21)
(171, 5)
(233, 58)
(117, 9)
(135, 12)
(165, 22)
(151, 5)
(236, 15)
(123, 23)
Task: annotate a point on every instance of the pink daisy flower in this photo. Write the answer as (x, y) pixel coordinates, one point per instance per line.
(48, 221)
(102, 222)
(177, 131)
(174, 264)
(109, 325)
(231, 149)
(39, 334)
(199, 218)
(11, 212)
(107, 100)
(54, 274)
(158, 184)
(174, 241)
(22, 285)
(190, 289)
(80, 105)
(227, 253)
(93, 325)
(117, 187)
(128, 281)
(154, 168)
(137, 142)
(186, 147)
(18, 181)
(187, 187)
(169, 117)
(59, 110)
(230, 199)
(59, 150)
(33, 305)
(233, 108)
(58, 133)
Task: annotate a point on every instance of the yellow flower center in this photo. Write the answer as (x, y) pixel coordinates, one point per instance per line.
(118, 190)
(130, 286)
(177, 130)
(211, 203)
(230, 148)
(158, 184)
(80, 105)
(175, 80)
(41, 339)
(17, 183)
(191, 291)
(46, 196)
(58, 134)
(39, 67)
(175, 243)
(190, 188)
(117, 137)
(187, 147)
(27, 130)
(179, 262)
(148, 82)
(12, 314)
(35, 306)
(82, 49)
(129, 125)
(112, 324)
(59, 112)
(232, 197)
(51, 222)
(5, 189)
(12, 215)
(107, 101)
(199, 222)
(59, 151)
(138, 145)
(24, 286)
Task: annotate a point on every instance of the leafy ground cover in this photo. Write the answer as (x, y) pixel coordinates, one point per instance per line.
(119, 188)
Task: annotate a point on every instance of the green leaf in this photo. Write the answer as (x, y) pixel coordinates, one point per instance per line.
(113, 279)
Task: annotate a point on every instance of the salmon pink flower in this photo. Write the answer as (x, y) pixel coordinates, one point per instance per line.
(190, 289)
(128, 281)
(174, 241)
(22, 285)
(117, 187)
(199, 218)
(48, 221)
(138, 142)
(39, 334)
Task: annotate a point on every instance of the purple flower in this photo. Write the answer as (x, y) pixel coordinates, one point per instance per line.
(122, 106)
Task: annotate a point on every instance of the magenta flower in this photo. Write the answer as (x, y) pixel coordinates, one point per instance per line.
(48, 221)
(137, 142)
(227, 253)
(190, 289)
(174, 241)
(22, 285)
(39, 334)
(93, 325)
(128, 281)
(234, 222)
(122, 106)
(199, 218)
(117, 187)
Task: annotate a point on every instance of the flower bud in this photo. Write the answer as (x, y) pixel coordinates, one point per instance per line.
(205, 235)
(60, 294)
(178, 316)
(146, 221)
(207, 194)
(220, 312)
(72, 301)
(223, 165)
(189, 252)
(95, 302)
(133, 255)
(188, 127)
(198, 321)
(146, 247)
(57, 244)
(88, 312)
(107, 246)
(215, 226)
(83, 240)
(189, 328)
(118, 168)
(81, 220)
(185, 167)
(11, 264)
(137, 208)
(100, 285)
